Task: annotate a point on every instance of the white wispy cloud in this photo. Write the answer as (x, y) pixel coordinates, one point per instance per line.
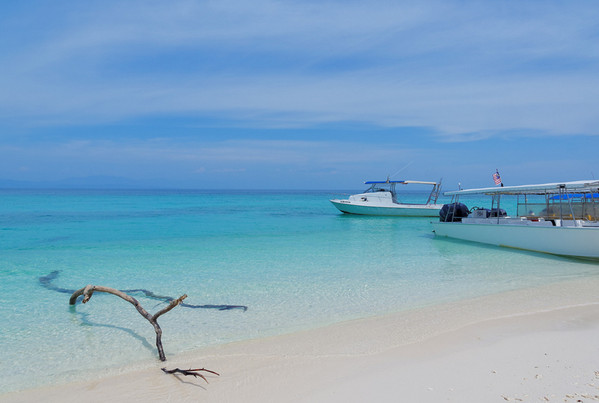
(466, 69)
(237, 163)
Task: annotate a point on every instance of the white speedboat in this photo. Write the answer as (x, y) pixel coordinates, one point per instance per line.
(556, 218)
(381, 198)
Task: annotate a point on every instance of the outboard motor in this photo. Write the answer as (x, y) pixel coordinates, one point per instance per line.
(497, 213)
(453, 212)
(479, 212)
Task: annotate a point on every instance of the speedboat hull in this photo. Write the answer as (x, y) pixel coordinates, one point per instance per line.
(382, 199)
(567, 241)
(400, 209)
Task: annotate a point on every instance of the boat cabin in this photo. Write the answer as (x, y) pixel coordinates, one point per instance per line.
(389, 186)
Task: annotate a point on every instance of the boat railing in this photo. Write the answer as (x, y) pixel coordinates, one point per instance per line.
(567, 211)
(434, 195)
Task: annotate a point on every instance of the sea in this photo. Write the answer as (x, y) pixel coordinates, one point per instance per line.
(252, 264)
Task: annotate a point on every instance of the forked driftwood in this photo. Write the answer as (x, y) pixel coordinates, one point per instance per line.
(47, 281)
(88, 291)
(193, 372)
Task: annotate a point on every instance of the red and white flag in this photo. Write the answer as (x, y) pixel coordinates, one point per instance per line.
(496, 178)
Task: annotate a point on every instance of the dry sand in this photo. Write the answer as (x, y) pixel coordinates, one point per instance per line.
(529, 345)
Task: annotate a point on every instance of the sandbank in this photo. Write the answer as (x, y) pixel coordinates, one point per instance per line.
(528, 345)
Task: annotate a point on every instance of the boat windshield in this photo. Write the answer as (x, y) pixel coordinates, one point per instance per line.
(381, 187)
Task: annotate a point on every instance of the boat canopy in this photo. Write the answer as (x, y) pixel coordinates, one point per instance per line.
(575, 196)
(401, 182)
(546, 188)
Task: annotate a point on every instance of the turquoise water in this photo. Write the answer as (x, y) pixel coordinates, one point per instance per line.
(290, 258)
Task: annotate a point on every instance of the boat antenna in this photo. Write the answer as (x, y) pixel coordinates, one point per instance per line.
(407, 165)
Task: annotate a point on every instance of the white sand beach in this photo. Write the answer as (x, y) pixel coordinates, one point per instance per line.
(529, 345)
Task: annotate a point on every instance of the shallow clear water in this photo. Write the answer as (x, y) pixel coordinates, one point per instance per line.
(291, 258)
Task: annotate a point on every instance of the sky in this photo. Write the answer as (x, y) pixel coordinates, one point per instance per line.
(297, 94)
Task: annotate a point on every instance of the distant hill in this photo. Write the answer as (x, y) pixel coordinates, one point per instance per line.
(87, 182)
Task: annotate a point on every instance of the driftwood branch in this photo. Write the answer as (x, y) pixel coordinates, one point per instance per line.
(89, 290)
(47, 282)
(192, 372)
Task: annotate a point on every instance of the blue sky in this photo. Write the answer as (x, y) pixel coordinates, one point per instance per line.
(298, 94)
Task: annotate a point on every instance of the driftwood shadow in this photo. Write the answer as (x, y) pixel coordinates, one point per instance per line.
(48, 283)
(85, 321)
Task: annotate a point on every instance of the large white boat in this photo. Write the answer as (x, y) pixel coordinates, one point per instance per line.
(556, 218)
(381, 198)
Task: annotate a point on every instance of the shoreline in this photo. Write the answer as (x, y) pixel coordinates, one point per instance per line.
(438, 353)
